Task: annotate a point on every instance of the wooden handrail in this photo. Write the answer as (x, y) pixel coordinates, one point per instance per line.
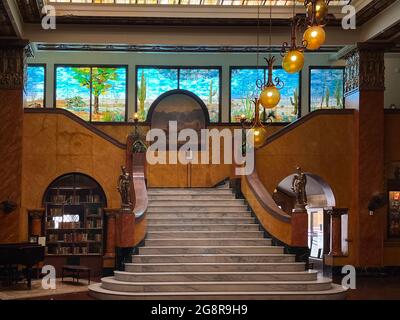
(265, 199)
(139, 186)
(78, 120)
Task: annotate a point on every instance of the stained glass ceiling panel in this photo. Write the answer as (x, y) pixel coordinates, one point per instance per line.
(200, 2)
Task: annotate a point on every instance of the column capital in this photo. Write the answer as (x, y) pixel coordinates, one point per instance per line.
(335, 212)
(12, 61)
(36, 213)
(365, 67)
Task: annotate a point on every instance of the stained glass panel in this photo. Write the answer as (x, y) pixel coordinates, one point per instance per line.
(205, 84)
(326, 88)
(34, 87)
(244, 90)
(73, 90)
(151, 83)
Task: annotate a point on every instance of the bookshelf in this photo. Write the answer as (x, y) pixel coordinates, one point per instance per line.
(74, 221)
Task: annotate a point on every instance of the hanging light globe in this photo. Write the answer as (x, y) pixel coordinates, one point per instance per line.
(259, 133)
(321, 9)
(270, 97)
(293, 61)
(314, 36)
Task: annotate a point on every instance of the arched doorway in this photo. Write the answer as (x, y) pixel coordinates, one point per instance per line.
(188, 111)
(320, 198)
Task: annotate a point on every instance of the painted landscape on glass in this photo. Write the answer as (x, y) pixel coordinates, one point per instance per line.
(205, 84)
(153, 82)
(244, 91)
(326, 89)
(34, 87)
(92, 93)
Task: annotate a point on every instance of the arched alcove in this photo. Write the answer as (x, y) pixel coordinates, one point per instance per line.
(320, 197)
(178, 105)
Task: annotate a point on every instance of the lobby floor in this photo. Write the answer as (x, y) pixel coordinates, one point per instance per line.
(368, 288)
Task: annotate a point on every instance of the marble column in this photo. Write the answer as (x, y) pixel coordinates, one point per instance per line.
(36, 219)
(12, 57)
(110, 241)
(336, 231)
(364, 92)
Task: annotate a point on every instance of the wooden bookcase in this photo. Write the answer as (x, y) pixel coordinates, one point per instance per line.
(74, 221)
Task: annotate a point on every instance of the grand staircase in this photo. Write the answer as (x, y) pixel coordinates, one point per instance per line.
(205, 244)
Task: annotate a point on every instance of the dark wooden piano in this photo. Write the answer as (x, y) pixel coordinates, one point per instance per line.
(14, 254)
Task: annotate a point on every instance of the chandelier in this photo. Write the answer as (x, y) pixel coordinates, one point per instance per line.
(292, 54)
(317, 11)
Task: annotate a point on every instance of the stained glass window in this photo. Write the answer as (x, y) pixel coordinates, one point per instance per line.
(244, 91)
(92, 93)
(154, 81)
(205, 84)
(326, 88)
(34, 87)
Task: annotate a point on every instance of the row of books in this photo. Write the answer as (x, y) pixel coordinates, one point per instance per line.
(94, 224)
(75, 199)
(74, 237)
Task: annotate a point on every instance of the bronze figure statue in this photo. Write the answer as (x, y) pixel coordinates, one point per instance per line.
(124, 187)
(299, 188)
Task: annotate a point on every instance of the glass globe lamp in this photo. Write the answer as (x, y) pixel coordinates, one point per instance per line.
(321, 9)
(270, 97)
(293, 61)
(314, 37)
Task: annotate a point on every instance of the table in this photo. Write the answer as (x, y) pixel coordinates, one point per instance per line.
(75, 270)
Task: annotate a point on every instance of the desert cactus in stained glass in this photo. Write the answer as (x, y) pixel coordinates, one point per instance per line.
(339, 94)
(142, 95)
(294, 101)
(327, 96)
(212, 93)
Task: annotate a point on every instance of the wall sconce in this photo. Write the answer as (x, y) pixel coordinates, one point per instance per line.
(7, 206)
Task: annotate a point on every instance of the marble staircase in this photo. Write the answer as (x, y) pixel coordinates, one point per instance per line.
(205, 244)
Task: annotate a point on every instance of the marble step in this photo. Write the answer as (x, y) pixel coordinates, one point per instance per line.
(201, 203)
(199, 196)
(336, 292)
(203, 234)
(209, 250)
(110, 283)
(175, 221)
(189, 191)
(208, 242)
(198, 208)
(203, 227)
(207, 258)
(206, 215)
(214, 276)
(216, 267)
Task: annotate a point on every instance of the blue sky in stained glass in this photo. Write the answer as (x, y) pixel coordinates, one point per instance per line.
(34, 87)
(326, 83)
(243, 85)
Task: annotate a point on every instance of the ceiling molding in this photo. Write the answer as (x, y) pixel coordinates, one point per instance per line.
(30, 10)
(371, 10)
(6, 26)
(166, 48)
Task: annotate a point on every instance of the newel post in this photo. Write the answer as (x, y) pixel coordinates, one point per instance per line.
(111, 233)
(336, 231)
